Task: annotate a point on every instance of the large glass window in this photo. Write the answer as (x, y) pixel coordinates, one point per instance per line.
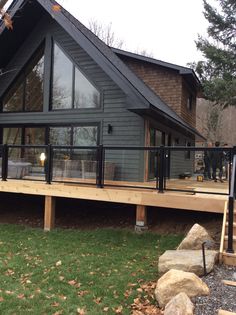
(25, 136)
(26, 94)
(60, 135)
(71, 88)
(12, 136)
(77, 136)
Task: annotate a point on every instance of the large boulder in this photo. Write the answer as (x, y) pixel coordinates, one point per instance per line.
(187, 260)
(180, 304)
(176, 281)
(195, 237)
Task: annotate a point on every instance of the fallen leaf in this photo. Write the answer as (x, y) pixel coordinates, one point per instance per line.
(106, 309)
(56, 8)
(55, 304)
(119, 309)
(21, 296)
(97, 300)
(1, 299)
(8, 21)
(58, 263)
(72, 282)
(81, 311)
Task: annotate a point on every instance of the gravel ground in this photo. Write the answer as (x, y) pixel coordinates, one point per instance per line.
(221, 296)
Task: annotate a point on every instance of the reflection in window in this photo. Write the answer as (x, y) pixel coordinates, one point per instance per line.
(62, 80)
(34, 136)
(13, 101)
(74, 136)
(27, 92)
(71, 89)
(85, 136)
(12, 136)
(86, 96)
(60, 135)
(34, 88)
(25, 136)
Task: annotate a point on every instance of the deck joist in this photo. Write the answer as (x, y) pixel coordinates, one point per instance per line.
(138, 197)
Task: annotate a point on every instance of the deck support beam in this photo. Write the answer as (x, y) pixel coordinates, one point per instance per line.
(49, 213)
(141, 218)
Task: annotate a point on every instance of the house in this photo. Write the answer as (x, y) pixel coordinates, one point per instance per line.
(60, 84)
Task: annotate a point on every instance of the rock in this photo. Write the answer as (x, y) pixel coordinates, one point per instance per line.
(180, 304)
(177, 281)
(187, 260)
(195, 237)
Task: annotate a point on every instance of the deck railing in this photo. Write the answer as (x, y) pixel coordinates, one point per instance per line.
(114, 166)
(232, 196)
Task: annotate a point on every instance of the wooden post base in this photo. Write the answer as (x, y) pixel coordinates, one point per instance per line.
(49, 213)
(141, 218)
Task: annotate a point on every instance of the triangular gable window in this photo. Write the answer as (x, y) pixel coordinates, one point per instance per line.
(71, 89)
(26, 94)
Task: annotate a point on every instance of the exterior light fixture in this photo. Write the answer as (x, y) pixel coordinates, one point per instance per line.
(42, 158)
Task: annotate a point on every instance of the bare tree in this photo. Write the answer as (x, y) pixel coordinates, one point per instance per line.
(210, 121)
(105, 33)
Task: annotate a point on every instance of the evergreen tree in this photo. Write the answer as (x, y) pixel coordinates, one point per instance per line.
(218, 71)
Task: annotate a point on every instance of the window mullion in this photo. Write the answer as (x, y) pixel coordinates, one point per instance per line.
(73, 88)
(24, 92)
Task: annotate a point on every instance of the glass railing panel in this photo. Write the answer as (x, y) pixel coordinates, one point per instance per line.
(74, 165)
(197, 170)
(130, 167)
(26, 162)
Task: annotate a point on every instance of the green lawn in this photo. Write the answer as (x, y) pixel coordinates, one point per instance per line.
(68, 271)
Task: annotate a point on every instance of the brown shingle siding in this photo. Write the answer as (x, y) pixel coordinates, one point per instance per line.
(168, 84)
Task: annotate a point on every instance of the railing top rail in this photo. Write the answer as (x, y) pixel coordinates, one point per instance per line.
(171, 148)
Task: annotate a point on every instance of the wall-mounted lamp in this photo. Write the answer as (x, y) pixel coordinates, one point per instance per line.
(42, 158)
(109, 128)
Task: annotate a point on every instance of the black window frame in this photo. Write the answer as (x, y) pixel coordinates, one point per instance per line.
(189, 104)
(47, 130)
(74, 65)
(24, 72)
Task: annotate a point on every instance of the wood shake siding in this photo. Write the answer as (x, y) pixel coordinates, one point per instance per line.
(168, 84)
(188, 115)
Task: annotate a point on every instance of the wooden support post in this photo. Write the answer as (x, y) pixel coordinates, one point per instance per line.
(141, 218)
(49, 213)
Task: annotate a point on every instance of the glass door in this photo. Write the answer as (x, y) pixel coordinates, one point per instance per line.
(157, 138)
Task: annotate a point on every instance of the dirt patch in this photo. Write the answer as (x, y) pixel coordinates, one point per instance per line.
(79, 214)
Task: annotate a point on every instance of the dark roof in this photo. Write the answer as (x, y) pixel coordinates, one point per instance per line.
(182, 70)
(141, 96)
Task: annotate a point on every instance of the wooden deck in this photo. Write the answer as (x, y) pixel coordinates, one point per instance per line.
(132, 193)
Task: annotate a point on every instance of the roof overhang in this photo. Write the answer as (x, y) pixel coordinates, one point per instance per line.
(154, 113)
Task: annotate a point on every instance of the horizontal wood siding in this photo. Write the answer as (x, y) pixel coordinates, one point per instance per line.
(127, 127)
(179, 163)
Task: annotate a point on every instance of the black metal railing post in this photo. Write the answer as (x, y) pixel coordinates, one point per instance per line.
(4, 162)
(234, 154)
(48, 166)
(230, 225)
(231, 208)
(161, 168)
(100, 167)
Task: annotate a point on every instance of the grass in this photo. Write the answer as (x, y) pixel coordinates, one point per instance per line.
(68, 271)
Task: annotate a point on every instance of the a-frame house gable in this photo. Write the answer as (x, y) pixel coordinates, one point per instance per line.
(140, 98)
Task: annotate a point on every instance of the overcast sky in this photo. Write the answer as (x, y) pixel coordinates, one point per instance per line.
(165, 28)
